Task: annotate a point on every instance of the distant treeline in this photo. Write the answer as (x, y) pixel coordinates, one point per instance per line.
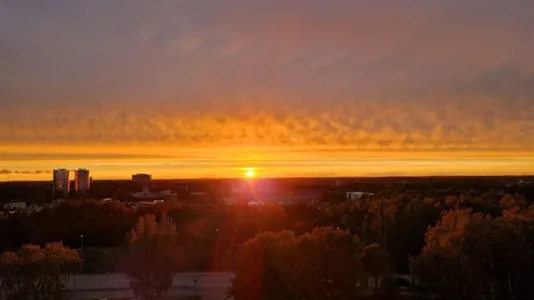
(428, 186)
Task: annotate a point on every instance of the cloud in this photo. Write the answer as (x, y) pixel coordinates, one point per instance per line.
(308, 51)
(36, 154)
(25, 172)
(407, 76)
(483, 116)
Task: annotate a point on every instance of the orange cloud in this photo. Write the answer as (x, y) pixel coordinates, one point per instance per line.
(366, 126)
(226, 83)
(25, 172)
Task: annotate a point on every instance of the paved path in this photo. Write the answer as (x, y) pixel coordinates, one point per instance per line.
(212, 286)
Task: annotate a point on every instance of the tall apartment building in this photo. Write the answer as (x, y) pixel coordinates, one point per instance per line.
(82, 181)
(61, 182)
(144, 180)
(141, 177)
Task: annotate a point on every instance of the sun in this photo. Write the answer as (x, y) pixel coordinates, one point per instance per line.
(249, 173)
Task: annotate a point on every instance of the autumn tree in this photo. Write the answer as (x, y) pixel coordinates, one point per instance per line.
(37, 273)
(375, 264)
(328, 265)
(513, 250)
(261, 268)
(324, 264)
(447, 266)
(153, 257)
(474, 256)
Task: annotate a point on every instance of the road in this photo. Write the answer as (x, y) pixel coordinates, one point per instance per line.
(211, 286)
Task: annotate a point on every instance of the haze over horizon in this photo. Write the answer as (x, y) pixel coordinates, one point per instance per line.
(306, 88)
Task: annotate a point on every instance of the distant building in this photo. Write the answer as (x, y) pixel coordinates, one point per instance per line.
(82, 181)
(61, 182)
(141, 177)
(15, 205)
(144, 180)
(144, 204)
(352, 196)
(229, 200)
(169, 195)
(35, 207)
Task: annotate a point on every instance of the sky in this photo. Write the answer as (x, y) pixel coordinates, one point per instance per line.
(209, 88)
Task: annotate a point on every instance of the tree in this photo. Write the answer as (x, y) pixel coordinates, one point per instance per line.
(375, 263)
(513, 248)
(473, 256)
(323, 264)
(449, 265)
(261, 268)
(328, 265)
(154, 256)
(37, 273)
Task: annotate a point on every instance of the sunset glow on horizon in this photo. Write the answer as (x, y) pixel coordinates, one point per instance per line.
(189, 89)
(250, 173)
(226, 163)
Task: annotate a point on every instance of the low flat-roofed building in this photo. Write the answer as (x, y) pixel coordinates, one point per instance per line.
(352, 196)
(16, 205)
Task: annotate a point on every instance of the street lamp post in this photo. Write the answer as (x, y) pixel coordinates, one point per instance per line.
(81, 253)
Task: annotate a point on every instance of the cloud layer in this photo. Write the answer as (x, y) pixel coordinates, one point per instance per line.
(408, 75)
(25, 172)
(388, 125)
